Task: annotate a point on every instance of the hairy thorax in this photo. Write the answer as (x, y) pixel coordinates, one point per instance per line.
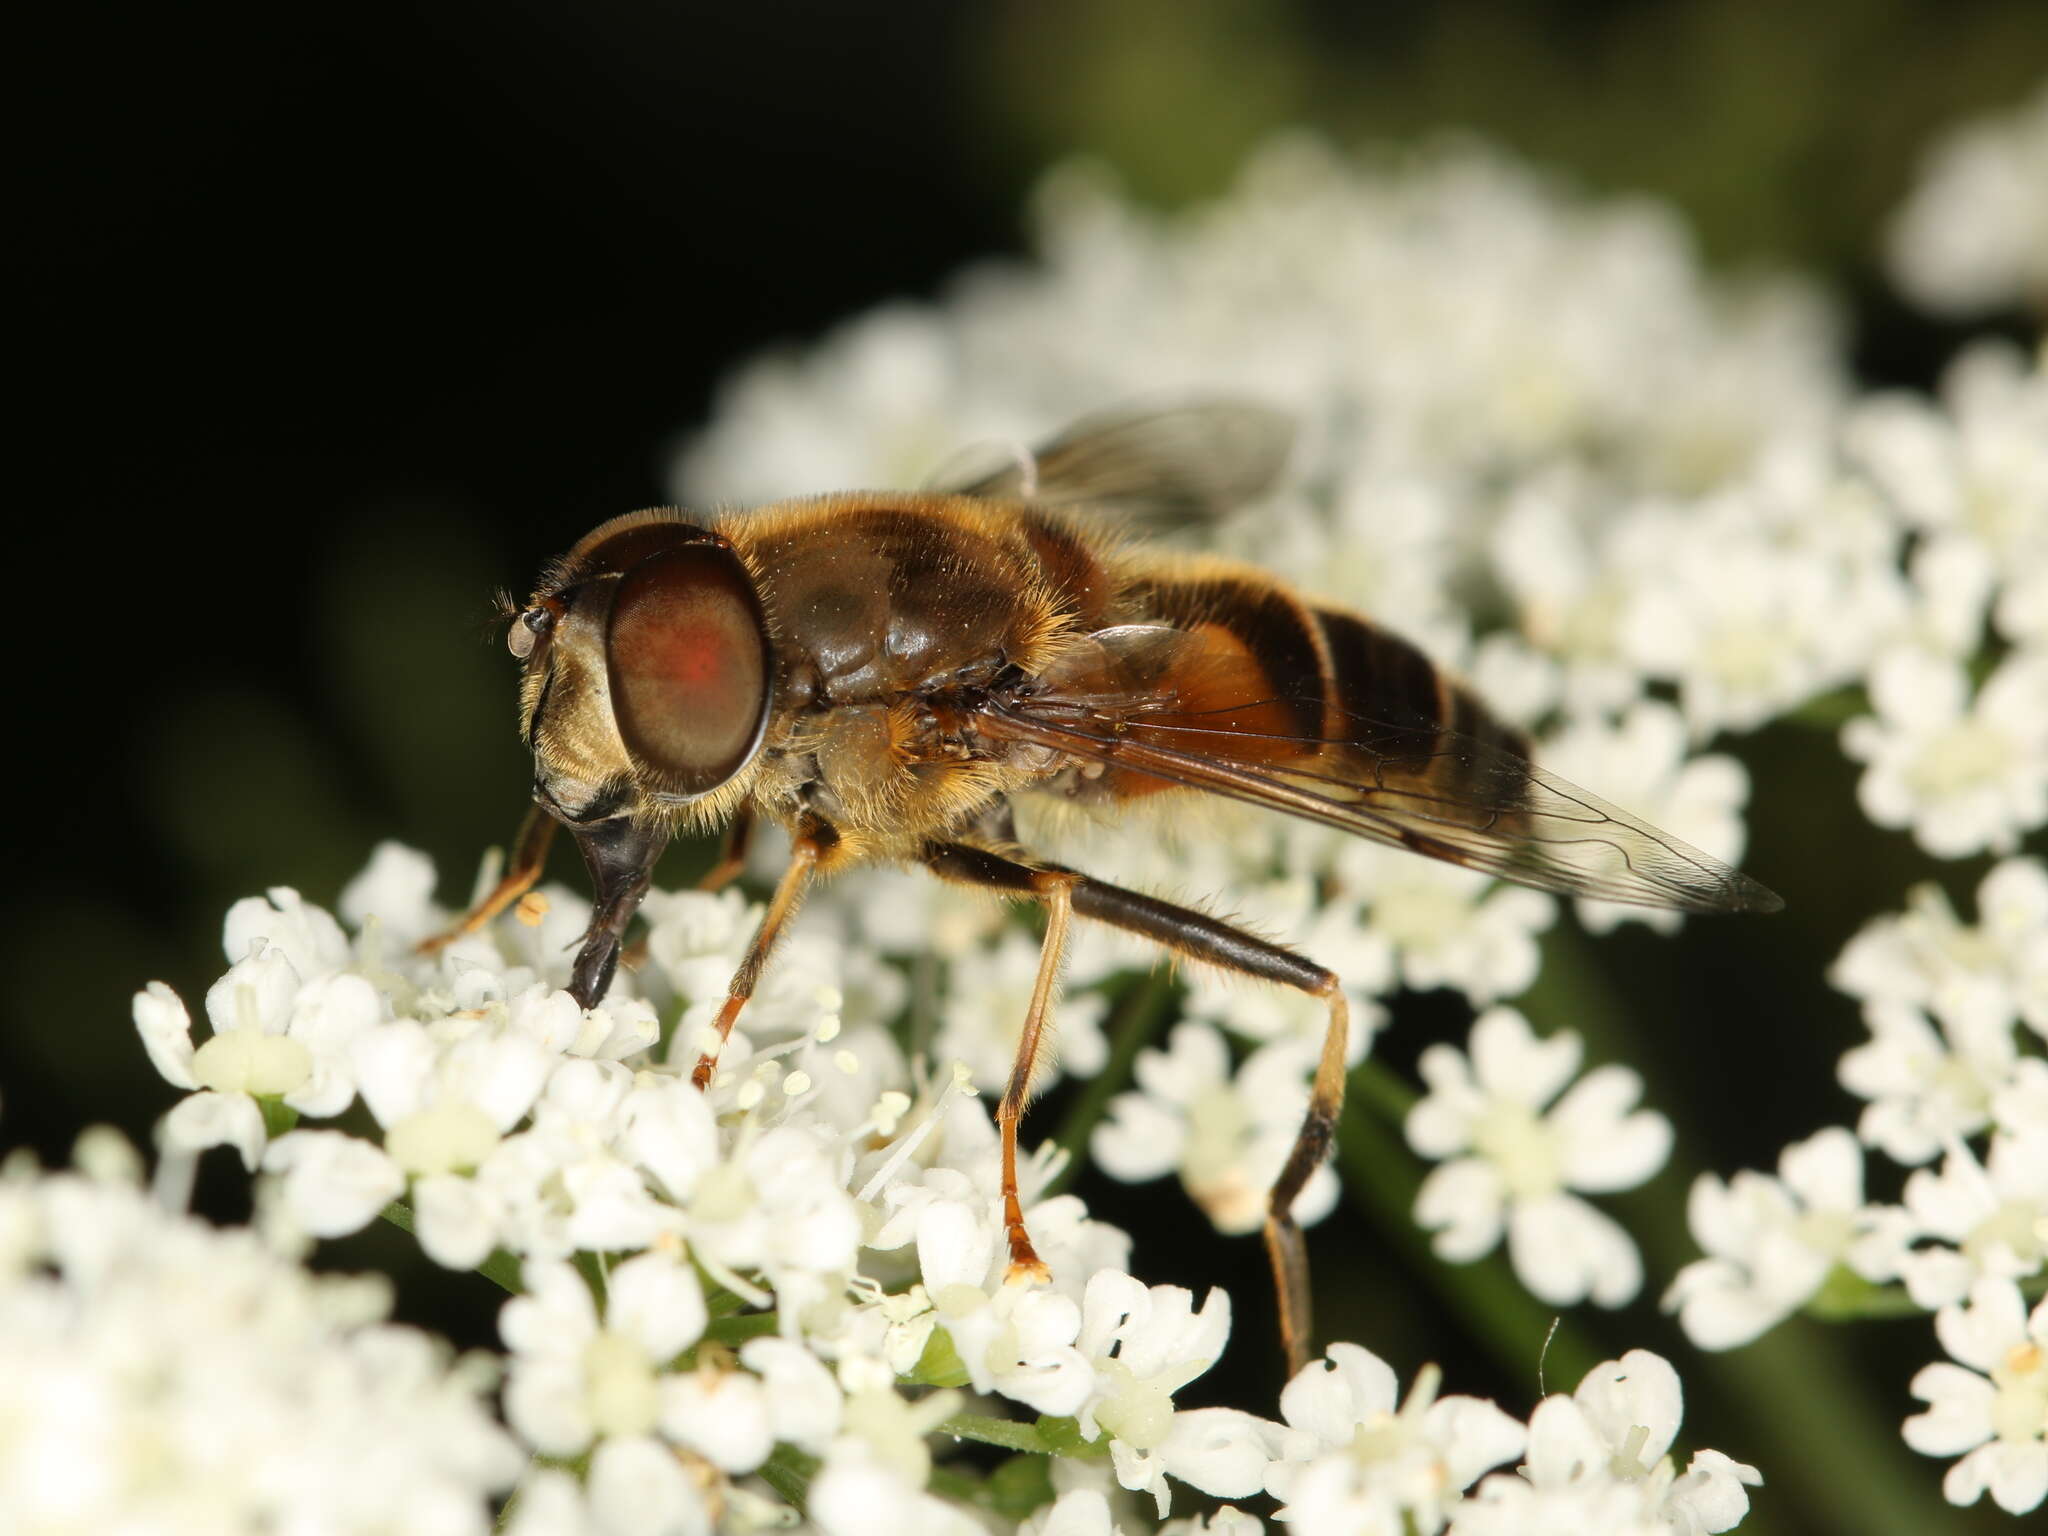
(891, 616)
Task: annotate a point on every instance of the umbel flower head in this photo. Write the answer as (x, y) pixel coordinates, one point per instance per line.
(1643, 514)
(162, 1374)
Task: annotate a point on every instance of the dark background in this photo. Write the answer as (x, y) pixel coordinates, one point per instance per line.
(338, 317)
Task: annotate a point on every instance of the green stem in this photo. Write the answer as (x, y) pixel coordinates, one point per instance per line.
(1133, 1021)
(737, 1330)
(1846, 1297)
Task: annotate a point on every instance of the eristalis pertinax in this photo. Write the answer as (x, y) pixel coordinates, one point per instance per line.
(880, 672)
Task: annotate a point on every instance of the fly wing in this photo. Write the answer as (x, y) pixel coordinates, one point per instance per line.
(1161, 469)
(1407, 783)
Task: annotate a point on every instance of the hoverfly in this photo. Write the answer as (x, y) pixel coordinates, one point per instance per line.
(881, 672)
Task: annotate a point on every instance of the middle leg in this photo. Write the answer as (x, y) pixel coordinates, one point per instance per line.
(1055, 888)
(1211, 941)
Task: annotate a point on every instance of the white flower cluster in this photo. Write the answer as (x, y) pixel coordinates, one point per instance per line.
(1640, 507)
(164, 1375)
(1974, 233)
(781, 1269)
(1953, 1070)
(816, 1177)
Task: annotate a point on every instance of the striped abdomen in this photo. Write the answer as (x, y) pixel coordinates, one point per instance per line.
(1328, 699)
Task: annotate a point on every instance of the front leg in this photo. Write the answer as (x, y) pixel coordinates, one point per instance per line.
(529, 858)
(813, 841)
(1055, 888)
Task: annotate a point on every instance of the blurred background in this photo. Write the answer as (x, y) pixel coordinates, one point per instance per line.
(339, 317)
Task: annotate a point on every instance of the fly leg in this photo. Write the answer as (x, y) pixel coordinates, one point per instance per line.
(1197, 936)
(810, 844)
(1055, 888)
(732, 853)
(529, 858)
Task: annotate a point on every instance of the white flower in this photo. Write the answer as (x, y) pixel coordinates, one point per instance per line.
(863, 1491)
(1145, 1344)
(1351, 1455)
(165, 1374)
(1226, 1138)
(334, 1184)
(638, 1486)
(1926, 1081)
(1771, 1242)
(1973, 475)
(635, 1488)
(304, 934)
(1227, 1521)
(1013, 1339)
(576, 1378)
(778, 1207)
(1077, 1512)
(725, 1416)
(275, 1037)
(1449, 927)
(805, 1405)
(1386, 302)
(396, 890)
(1980, 974)
(1995, 1413)
(2021, 1105)
(698, 940)
(1966, 776)
(1764, 594)
(1572, 577)
(1602, 1456)
(1988, 1219)
(1974, 233)
(1514, 1167)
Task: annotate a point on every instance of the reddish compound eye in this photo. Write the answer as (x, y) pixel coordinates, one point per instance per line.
(688, 656)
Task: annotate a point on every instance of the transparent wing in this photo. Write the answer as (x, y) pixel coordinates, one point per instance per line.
(1408, 784)
(1166, 468)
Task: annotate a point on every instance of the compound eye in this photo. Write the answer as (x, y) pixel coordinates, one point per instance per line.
(688, 656)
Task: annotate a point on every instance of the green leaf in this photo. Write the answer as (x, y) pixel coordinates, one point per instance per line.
(1006, 1433)
(1019, 1487)
(789, 1472)
(1062, 1437)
